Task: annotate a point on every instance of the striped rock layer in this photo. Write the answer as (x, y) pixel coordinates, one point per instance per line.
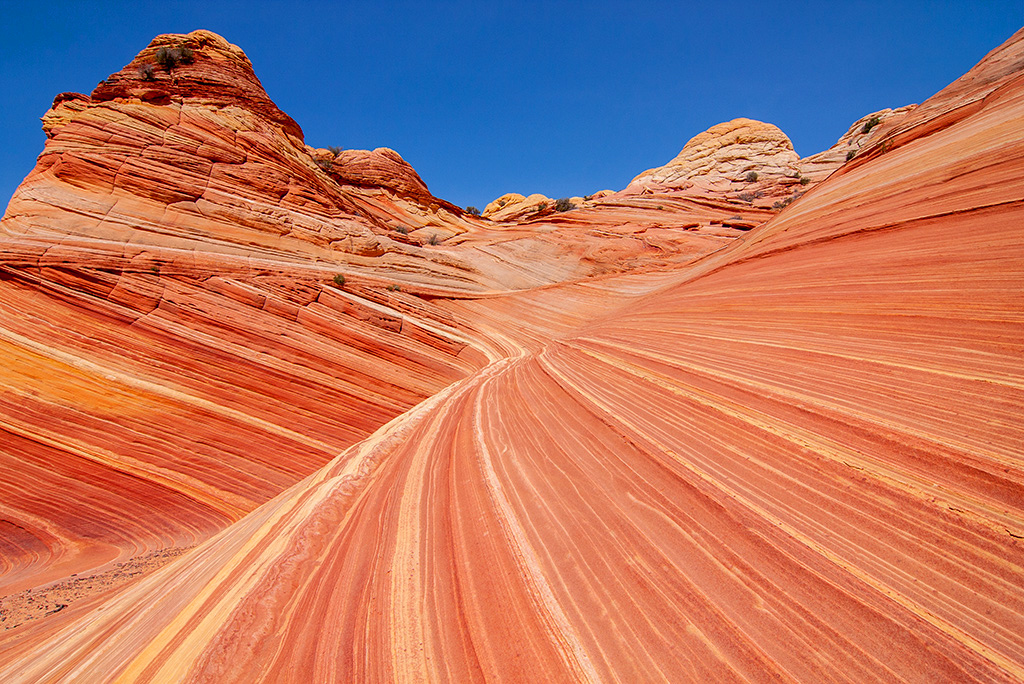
(795, 455)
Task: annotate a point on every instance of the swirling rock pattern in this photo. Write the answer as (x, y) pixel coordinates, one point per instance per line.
(797, 457)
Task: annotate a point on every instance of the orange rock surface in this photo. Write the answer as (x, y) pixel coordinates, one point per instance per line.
(767, 445)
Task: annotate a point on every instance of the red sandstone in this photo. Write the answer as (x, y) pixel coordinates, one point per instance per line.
(670, 435)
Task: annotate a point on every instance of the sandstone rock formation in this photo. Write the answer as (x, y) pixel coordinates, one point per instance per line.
(196, 155)
(748, 161)
(512, 205)
(382, 167)
(742, 160)
(860, 135)
(792, 452)
(726, 153)
(184, 247)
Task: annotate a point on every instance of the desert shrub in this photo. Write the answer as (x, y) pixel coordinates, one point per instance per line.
(851, 154)
(870, 123)
(339, 280)
(394, 288)
(804, 180)
(542, 206)
(433, 239)
(564, 204)
(402, 229)
(750, 196)
(752, 176)
(325, 164)
(473, 210)
(169, 58)
(334, 149)
(502, 203)
(164, 59)
(588, 198)
(789, 200)
(147, 73)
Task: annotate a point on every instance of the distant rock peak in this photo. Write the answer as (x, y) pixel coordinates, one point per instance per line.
(199, 66)
(382, 167)
(729, 150)
(742, 160)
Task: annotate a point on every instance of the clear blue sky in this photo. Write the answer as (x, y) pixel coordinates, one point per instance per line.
(483, 98)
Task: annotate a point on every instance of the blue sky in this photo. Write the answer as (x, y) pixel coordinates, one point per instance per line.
(483, 98)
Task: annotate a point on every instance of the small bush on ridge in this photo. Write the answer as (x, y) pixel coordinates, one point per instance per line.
(169, 58)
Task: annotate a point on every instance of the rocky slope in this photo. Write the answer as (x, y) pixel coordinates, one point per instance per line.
(794, 457)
